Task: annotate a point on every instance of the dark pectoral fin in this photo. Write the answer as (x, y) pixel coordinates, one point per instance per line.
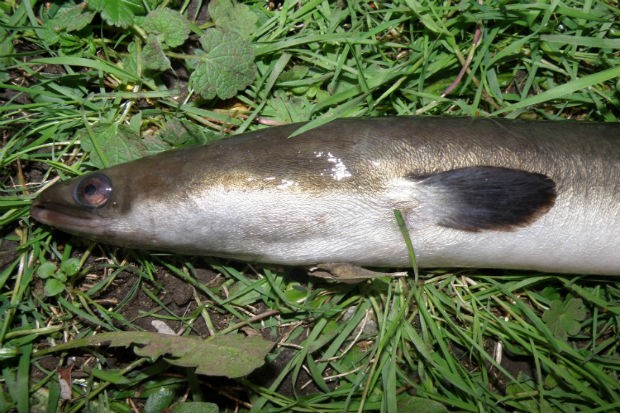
(487, 197)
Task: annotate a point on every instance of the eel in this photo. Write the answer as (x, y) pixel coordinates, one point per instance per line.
(482, 193)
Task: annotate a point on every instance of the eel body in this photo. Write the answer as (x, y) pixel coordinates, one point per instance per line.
(474, 193)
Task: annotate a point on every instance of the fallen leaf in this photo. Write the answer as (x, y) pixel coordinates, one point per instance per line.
(231, 356)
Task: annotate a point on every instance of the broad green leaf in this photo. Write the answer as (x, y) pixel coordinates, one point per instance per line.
(153, 56)
(551, 293)
(225, 67)
(118, 12)
(61, 276)
(296, 292)
(46, 270)
(70, 18)
(183, 133)
(169, 25)
(230, 356)
(159, 400)
(131, 59)
(70, 266)
(153, 144)
(53, 287)
(230, 15)
(111, 144)
(563, 317)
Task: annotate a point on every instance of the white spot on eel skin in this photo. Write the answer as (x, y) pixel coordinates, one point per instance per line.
(286, 183)
(339, 170)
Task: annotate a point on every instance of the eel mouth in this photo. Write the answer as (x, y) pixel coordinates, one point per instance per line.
(65, 217)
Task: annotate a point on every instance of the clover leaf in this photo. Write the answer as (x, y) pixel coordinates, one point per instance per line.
(564, 317)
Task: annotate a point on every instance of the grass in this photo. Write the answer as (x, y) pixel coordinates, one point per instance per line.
(80, 92)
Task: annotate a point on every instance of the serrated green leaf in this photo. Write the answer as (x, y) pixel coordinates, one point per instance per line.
(230, 356)
(230, 15)
(53, 287)
(71, 18)
(111, 144)
(118, 12)
(154, 144)
(46, 270)
(48, 35)
(183, 133)
(226, 67)
(169, 25)
(153, 56)
(563, 317)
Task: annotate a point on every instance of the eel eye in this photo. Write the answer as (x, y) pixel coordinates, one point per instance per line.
(93, 191)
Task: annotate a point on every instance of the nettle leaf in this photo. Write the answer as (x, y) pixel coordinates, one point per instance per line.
(71, 18)
(231, 356)
(233, 16)
(118, 12)
(225, 67)
(180, 132)
(170, 26)
(564, 317)
(153, 56)
(111, 144)
(153, 144)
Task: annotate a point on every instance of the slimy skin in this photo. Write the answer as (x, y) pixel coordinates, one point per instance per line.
(474, 193)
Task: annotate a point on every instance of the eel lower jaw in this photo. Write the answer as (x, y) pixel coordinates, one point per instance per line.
(74, 223)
